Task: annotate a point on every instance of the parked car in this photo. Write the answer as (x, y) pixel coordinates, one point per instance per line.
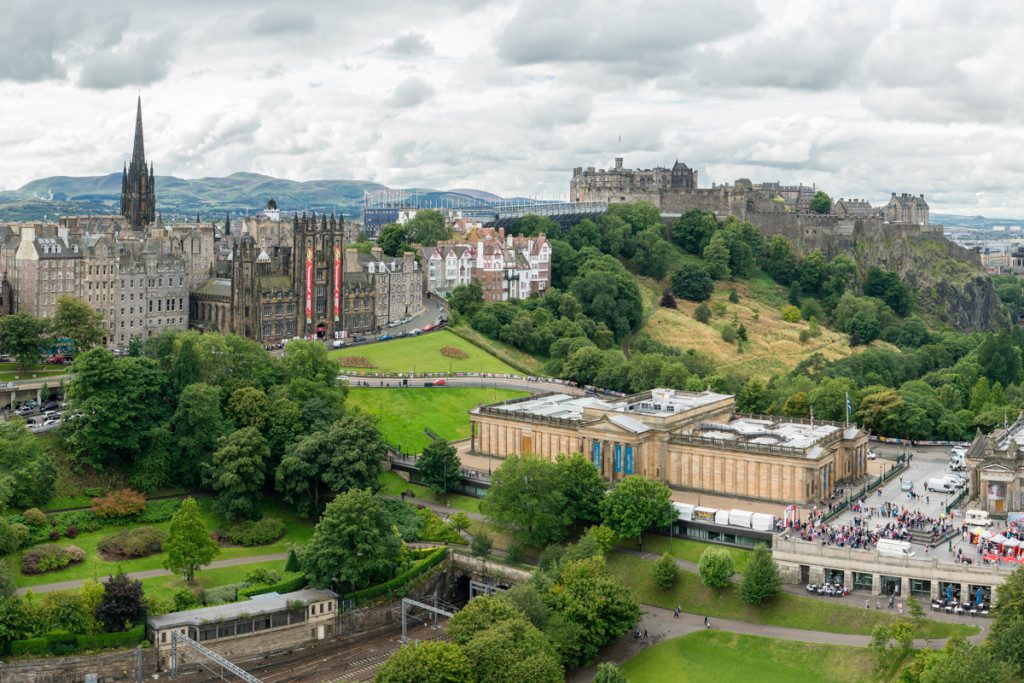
(872, 455)
(413, 332)
(338, 343)
(440, 383)
(907, 486)
(428, 328)
(50, 405)
(384, 337)
(24, 410)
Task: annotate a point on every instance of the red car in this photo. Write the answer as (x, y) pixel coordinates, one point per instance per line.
(428, 328)
(440, 383)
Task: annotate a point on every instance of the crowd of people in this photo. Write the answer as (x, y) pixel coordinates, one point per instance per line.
(893, 522)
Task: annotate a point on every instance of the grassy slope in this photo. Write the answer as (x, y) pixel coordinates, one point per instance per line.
(724, 657)
(686, 549)
(297, 530)
(501, 350)
(774, 345)
(404, 413)
(10, 372)
(392, 485)
(424, 353)
(163, 587)
(788, 610)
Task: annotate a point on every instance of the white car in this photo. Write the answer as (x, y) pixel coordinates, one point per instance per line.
(872, 455)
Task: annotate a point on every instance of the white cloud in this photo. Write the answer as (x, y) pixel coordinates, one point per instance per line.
(412, 92)
(411, 44)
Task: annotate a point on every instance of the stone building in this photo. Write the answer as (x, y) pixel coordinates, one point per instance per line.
(396, 282)
(853, 208)
(138, 184)
(694, 442)
(262, 624)
(995, 468)
(621, 184)
(45, 264)
(906, 208)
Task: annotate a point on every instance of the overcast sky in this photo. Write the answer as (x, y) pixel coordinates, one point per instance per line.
(862, 98)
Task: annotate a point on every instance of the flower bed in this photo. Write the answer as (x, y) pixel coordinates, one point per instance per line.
(355, 362)
(453, 352)
(50, 558)
(75, 522)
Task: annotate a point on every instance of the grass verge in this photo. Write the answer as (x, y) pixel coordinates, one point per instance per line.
(424, 354)
(392, 485)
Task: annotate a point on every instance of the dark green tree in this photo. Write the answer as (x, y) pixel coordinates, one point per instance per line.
(692, 281)
(249, 407)
(427, 227)
(28, 472)
(611, 297)
(197, 425)
(354, 544)
(651, 254)
(183, 365)
(23, 337)
(761, 578)
(890, 288)
(716, 257)
(236, 472)
(393, 239)
(466, 298)
(440, 467)
(513, 652)
(417, 662)
(635, 505)
(693, 230)
(284, 426)
(1000, 360)
(582, 486)
(781, 262)
(76, 320)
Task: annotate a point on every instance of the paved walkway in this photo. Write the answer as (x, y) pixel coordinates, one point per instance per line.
(151, 573)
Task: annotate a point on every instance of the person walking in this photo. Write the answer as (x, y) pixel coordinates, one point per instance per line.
(678, 610)
(891, 601)
(707, 622)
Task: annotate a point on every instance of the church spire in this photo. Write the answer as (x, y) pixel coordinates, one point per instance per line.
(138, 195)
(138, 151)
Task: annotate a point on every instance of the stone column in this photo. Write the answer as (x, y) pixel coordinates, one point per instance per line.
(848, 578)
(904, 588)
(39, 396)
(965, 589)
(876, 584)
(935, 590)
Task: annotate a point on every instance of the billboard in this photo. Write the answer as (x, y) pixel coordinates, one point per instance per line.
(618, 457)
(597, 455)
(337, 282)
(309, 283)
(995, 490)
(629, 460)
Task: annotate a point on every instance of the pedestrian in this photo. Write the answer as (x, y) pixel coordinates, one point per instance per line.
(891, 601)
(867, 605)
(678, 610)
(645, 634)
(707, 622)
(900, 607)
(878, 604)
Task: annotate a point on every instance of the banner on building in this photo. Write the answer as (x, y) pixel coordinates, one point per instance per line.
(618, 457)
(309, 283)
(629, 460)
(337, 282)
(597, 455)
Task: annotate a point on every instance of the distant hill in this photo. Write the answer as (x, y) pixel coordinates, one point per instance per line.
(211, 197)
(977, 222)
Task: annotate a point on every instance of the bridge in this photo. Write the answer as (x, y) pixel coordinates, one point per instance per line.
(566, 214)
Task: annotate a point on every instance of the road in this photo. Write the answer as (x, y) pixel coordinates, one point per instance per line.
(536, 385)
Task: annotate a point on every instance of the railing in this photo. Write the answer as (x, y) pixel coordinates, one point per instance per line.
(863, 493)
(691, 440)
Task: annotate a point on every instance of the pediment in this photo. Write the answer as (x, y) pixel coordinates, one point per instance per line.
(606, 426)
(995, 467)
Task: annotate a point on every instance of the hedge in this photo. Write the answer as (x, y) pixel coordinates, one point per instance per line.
(66, 643)
(285, 585)
(433, 559)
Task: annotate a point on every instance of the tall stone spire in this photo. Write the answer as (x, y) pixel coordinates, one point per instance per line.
(138, 183)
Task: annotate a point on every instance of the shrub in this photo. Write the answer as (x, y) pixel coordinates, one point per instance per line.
(791, 314)
(729, 334)
(66, 643)
(72, 531)
(48, 558)
(481, 544)
(404, 518)
(261, 576)
(159, 511)
(222, 594)
(34, 517)
(665, 572)
(459, 521)
(702, 313)
(292, 563)
(10, 538)
(287, 584)
(667, 299)
(184, 599)
(805, 336)
(715, 567)
(434, 528)
(515, 554)
(263, 532)
(734, 298)
(92, 491)
(435, 557)
(132, 543)
(120, 503)
(453, 352)
(761, 580)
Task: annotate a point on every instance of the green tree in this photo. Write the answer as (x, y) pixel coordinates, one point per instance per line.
(188, 544)
(481, 544)
(308, 360)
(433, 661)
(665, 572)
(28, 472)
(635, 505)
(583, 487)
(23, 336)
(781, 262)
(890, 288)
(821, 202)
(123, 604)
(883, 412)
(1000, 360)
(8, 582)
(76, 320)
(427, 227)
(1006, 639)
(796, 405)
(715, 567)
(236, 473)
(285, 426)
(609, 672)
(116, 401)
(481, 613)
(198, 425)
(440, 467)
(249, 407)
(514, 652)
(652, 254)
(691, 281)
(961, 662)
(716, 257)
(610, 297)
(761, 579)
(527, 501)
(348, 455)
(812, 272)
(393, 239)
(702, 313)
(354, 544)
(466, 298)
(753, 397)
(183, 364)
(14, 621)
(693, 230)
(292, 563)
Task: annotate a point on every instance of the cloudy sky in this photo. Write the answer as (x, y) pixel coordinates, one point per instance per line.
(862, 98)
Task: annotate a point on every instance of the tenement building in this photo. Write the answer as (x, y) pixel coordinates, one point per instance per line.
(396, 283)
(693, 442)
(506, 266)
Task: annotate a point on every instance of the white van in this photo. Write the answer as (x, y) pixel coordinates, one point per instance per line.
(894, 548)
(977, 518)
(953, 480)
(939, 485)
(957, 462)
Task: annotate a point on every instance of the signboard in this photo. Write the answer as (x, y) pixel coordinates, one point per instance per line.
(618, 457)
(629, 460)
(597, 455)
(309, 283)
(704, 515)
(996, 490)
(337, 282)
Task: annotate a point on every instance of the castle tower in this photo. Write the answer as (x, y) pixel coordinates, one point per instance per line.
(317, 257)
(243, 286)
(138, 185)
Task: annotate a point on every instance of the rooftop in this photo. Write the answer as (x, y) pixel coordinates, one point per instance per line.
(768, 432)
(267, 603)
(667, 402)
(562, 406)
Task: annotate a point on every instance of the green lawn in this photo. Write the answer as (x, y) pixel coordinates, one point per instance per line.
(685, 548)
(506, 352)
(405, 413)
(724, 657)
(392, 485)
(10, 372)
(788, 610)
(164, 587)
(297, 530)
(424, 354)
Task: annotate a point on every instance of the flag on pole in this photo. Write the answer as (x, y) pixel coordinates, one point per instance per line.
(847, 408)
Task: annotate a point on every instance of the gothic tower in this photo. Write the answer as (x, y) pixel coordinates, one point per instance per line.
(317, 253)
(138, 188)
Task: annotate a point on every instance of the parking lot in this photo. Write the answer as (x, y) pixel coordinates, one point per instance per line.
(40, 418)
